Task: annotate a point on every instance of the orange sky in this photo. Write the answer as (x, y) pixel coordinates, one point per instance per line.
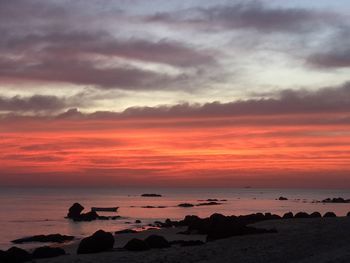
(264, 151)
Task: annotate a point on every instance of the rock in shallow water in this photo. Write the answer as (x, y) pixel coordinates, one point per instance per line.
(100, 241)
(55, 238)
(75, 210)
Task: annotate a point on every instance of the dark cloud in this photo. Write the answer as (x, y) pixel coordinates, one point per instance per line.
(333, 59)
(36, 103)
(249, 15)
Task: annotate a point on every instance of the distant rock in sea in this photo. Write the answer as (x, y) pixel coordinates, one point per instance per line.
(282, 198)
(185, 205)
(100, 241)
(75, 214)
(151, 195)
(208, 204)
(339, 200)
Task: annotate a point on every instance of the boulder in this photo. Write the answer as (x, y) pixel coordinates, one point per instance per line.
(100, 241)
(75, 210)
(17, 255)
(54, 238)
(155, 241)
(301, 215)
(329, 214)
(315, 215)
(138, 221)
(136, 245)
(288, 215)
(89, 216)
(348, 214)
(282, 198)
(48, 252)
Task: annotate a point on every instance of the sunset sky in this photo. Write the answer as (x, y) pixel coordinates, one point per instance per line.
(175, 93)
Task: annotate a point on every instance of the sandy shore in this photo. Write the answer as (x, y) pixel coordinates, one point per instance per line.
(298, 240)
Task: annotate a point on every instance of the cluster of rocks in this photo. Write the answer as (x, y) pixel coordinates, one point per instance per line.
(18, 255)
(200, 204)
(338, 200)
(306, 215)
(53, 238)
(75, 213)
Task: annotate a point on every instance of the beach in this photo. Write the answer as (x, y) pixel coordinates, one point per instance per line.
(296, 240)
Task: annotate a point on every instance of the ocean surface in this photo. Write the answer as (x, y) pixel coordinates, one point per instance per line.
(31, 211)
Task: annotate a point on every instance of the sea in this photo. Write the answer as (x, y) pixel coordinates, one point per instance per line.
(31, 211)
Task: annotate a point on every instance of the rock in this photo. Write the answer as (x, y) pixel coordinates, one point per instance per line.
(187, 243)
(100, 241)
(185, 205)
(75, 210)
(208, 204)
(16, 255)
(281, 198)
(151, 206)
(136, 245)
(329, 214)
(48, 252)
(301, 215)
(315, 215)
(138, 221)
(151, 195)
(348, 214)
(288, 215)
(89, 216)
(54, 238)
(155, 241)
(126, 231)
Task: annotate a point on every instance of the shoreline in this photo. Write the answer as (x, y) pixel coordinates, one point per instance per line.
(296, 240)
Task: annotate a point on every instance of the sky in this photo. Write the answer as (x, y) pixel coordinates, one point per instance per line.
(190, 93)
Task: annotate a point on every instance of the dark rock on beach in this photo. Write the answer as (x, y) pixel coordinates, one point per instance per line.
(315, 215)
(48, 252)
(136, 245)
(329, 214)
(54, 238)
(100, 241)
(301, 215)
(155, 241)
(15, 255)
(151, 195)
(288, 215)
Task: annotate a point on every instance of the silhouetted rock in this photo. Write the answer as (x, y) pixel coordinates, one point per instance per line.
(136, 245)
(288, 215)
(48, 252)
(98, 242)
(155, 241)
(187, 243)
(329, 214)
(55, 238)
(16, 255)
(185, 205)
(89, 216)
(315, 215)
(281, 198)
(151, 195)
(137, 221)
(348, 214)
(301, 215)
(208, 204)
(151, 206)
(75, 210)
(126, 231)
(336, 200)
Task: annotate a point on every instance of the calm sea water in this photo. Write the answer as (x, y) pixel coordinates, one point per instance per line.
(31, 211)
